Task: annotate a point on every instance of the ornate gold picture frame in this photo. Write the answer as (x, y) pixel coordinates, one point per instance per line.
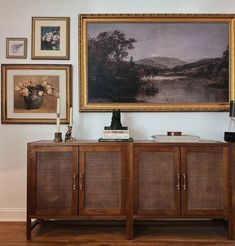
(30, 92)
(143, 62)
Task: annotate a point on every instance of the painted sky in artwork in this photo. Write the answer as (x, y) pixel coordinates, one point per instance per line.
(186, 41)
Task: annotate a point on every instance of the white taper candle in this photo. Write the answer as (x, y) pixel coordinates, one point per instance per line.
(58, 106)
(58, 124)
(58, 114)
(71, 116)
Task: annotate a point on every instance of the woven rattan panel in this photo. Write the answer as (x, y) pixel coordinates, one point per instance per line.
(156, 180)
(54, 180)
(103, 180)
(205, 180)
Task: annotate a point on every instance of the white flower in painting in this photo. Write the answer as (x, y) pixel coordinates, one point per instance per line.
(48, 37)
(26, 83)
(44, 82)
(44, 79)
(40, 93)
(49, 92)
(17, 88)
(21, 85)
(56, 39)
(25, 92)
(48, 87)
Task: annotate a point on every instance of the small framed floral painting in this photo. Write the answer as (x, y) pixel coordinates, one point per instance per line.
(30, 92)
(16, 48)
(50, 38)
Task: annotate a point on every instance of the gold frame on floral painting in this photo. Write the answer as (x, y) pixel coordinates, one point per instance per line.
(92, 21)
(62, 52)
(59, 79)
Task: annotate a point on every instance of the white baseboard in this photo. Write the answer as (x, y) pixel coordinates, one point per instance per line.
(12, 214)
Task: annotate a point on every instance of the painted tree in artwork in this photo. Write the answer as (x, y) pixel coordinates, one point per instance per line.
(111, 75)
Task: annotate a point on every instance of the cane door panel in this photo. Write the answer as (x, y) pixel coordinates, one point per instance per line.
(53, 180)
(102, 180)
(204, 181)
(157, 181)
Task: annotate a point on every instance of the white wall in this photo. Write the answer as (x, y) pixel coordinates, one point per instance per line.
(15, 21)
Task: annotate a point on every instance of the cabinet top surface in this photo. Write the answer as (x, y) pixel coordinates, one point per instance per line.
(135, 142)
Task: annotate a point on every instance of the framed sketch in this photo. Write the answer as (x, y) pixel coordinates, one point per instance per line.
(16, 48)
(50, 38)
(30, 92)
(156, 62)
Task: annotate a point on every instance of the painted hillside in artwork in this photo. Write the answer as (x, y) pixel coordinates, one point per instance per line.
(158, 62)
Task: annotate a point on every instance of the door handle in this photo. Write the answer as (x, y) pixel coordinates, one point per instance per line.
(74, 181)
(81, 182)
(184, 181)
(178, 181)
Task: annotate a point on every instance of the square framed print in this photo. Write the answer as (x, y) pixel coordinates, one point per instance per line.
(16, 48)
(30, 92)
(50, 38)
(148, 62)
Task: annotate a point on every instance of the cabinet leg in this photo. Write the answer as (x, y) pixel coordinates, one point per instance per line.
(231, 229)
(28, 229)
(129, 229)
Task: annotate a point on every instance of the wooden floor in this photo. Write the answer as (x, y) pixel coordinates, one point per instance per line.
(70, 234)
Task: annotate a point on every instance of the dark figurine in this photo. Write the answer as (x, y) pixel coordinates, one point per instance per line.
(68, 135)
(116, 121)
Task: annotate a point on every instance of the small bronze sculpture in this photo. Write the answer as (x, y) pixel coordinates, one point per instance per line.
(68, 135)
(116, 121)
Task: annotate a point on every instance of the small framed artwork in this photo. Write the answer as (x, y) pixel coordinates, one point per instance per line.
(50, 38)
(30, 92)
(157, 62)
(16, 48)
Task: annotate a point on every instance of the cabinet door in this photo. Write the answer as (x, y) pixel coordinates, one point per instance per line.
(53, 180)
(204, 181)
(157, 181)
(102, 180)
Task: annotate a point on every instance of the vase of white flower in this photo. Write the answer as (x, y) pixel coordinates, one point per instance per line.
(33, 100)
(33, 92)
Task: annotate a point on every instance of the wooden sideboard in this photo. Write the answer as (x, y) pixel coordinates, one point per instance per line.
(125, 181)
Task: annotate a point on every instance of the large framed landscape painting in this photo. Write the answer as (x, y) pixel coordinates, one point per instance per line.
(30, 92)
(156, 62)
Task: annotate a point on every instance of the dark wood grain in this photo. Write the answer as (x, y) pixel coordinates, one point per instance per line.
(130, 194)
(103, 173)
(206, 172)
(156, 170)
(132, 182)
(68, 234)
(232, 191)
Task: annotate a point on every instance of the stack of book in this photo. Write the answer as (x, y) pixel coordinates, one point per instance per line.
(116, 134)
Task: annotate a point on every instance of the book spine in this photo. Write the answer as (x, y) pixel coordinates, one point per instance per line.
(116, 131)
(116, 136)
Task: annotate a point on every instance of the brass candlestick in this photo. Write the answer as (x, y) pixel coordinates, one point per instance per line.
(68, 135)
(58, 137)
